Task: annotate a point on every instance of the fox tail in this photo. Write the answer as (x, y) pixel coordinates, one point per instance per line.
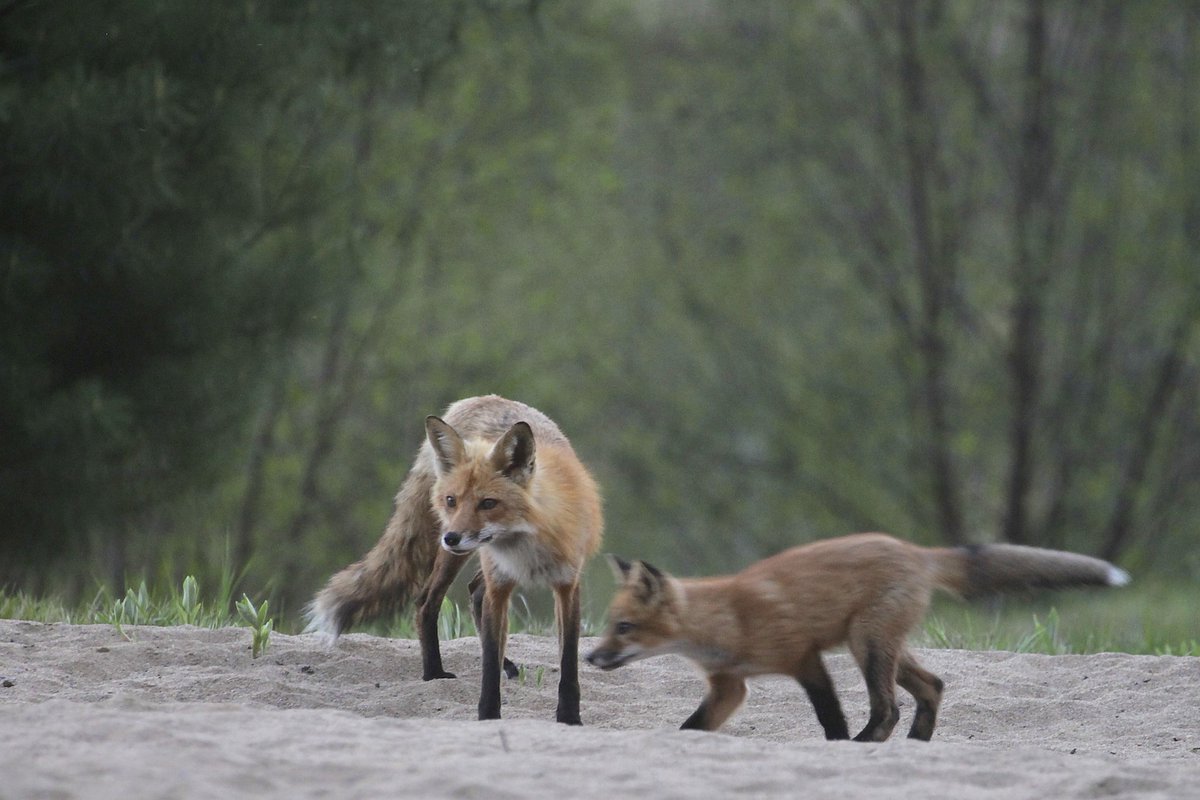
(984, 569)
(392, 574)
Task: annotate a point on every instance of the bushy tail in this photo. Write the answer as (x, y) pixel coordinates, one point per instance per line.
(392, 574)
(984, 569)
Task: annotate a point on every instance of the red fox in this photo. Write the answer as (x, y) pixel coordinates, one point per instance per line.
(867, 590)
(477, 485)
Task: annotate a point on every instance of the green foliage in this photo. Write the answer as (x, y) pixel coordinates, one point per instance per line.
(259, 623)
(1187, 647)
(1155, 619)
(188, 606)
(155, 213)
(142, 606)
(180, 606)
(539, 675)
(134, 609)
(19, 605)
(453, 622)
(132, 320)
(1042, 637)
(770, 296)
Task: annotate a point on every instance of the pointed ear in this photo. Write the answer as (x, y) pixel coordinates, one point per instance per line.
(648, 582)
(448, 449)
(620, 567)
(512, 455)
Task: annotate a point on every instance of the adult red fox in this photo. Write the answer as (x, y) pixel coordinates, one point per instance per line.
(495, 476)
(867, 590)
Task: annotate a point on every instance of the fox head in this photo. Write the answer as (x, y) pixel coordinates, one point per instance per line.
(643, 616)
(481, 491)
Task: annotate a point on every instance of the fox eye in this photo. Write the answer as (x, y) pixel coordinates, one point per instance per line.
(624, 628)
(451, 501)
(488, 503)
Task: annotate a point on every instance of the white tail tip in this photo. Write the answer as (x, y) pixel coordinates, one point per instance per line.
(320, 622)
(1117, 576)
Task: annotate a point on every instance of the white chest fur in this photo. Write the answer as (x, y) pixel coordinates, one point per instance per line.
(517, 556)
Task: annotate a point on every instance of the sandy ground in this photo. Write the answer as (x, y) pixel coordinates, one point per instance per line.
(186, 712)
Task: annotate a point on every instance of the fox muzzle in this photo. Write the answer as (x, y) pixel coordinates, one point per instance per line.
(607, 659)
(463, 543)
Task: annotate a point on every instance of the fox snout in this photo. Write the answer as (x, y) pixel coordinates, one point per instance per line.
(453, 541)
(460, 542)
(606, 659)
(598, 658)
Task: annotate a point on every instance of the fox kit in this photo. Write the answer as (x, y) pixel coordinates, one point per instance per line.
(493, 476)
(867, 590)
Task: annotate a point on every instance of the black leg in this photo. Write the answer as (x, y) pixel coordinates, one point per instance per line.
(475, 588)
(879, 670)
(445, 567)
(696, 722)
(725, 696)
(492, 635)
(819, 688)
(926, 688)
(567, 602)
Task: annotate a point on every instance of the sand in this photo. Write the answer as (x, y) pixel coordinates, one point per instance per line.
(186, 712)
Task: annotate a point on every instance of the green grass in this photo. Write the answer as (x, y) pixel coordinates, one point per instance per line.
(455, 621)
(182, 605)
(19, 605)
(1157, 619)
(178, 606)
(258, 621)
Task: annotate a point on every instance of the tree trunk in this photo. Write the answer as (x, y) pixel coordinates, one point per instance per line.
(1170, 367)
(935, 271)
(1118, 533)
(264, 443)
(1031, 225)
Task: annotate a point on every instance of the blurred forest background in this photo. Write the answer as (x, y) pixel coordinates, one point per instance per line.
(780, 270)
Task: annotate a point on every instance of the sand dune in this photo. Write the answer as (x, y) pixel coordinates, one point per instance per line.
(186, 712)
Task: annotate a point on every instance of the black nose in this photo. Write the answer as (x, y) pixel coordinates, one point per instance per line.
(452, 539)
(591, 657)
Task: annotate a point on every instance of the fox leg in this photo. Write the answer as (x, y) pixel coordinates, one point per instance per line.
(566, 612)
(878, 664)
(926, 689)
(819, 687)
(446, 565)
(475, 588)
(725, 695)
(493, 635)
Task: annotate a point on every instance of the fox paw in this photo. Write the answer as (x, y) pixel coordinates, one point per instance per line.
(510, 670)
(432, 676)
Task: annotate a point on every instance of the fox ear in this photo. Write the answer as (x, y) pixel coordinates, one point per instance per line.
(513, 454)
(648, 582)
(620, 567)
(448, 448)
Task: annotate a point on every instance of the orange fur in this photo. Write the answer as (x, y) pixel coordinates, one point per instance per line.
(776, 616)
(495, 476)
